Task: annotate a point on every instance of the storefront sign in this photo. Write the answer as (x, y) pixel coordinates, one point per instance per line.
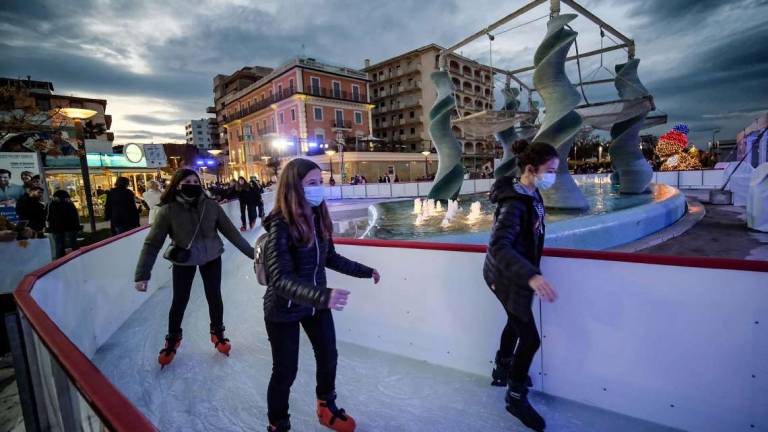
(155, 155)
(96, 160)
(133, 153)
(15, 167)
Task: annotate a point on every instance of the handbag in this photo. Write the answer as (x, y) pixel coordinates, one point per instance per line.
(180, 255)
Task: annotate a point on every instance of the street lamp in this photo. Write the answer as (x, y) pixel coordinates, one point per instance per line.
(714, 132)
(426, 163)
(330, 154)
(78, 115)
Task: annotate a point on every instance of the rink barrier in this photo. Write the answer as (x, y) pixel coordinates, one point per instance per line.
(117, 413)
(679, 341)
(111, 407)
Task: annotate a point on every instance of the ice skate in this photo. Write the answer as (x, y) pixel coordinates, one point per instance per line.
(282, 426)
(333, 417)
(219, 341)
(518, 406)
(243, 228)
(500, 373)
(172, 343)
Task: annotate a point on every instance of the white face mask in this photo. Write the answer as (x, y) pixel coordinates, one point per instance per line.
(314, 195)
(546, 180)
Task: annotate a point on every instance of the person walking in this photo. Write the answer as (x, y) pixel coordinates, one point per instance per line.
(120, 208)
(63, 223)
(247, 201)
(298, 249)
(152, 198)
(512, 271)
(258, 191)
(193, 222)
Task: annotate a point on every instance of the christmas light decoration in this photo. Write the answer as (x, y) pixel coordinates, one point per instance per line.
(671, 148)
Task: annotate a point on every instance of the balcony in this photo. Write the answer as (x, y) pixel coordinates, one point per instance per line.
(338, 94)
(260, 105)
(343, 125)
(265, 131)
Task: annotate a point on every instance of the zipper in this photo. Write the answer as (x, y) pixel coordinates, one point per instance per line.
(317, 264)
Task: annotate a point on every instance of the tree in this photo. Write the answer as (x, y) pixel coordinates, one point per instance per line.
(19, 112)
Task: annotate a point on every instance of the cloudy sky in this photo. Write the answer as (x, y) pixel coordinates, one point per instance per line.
(705, 61)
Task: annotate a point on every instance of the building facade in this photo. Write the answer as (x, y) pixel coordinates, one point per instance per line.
(303, 108)
(403, 93)
(203, 134)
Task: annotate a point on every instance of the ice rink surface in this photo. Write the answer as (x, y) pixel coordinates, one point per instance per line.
(203, 390)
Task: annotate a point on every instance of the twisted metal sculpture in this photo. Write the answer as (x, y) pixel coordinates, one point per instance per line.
(561, 123)
(450, 171)
(508, 164)
(631, 172)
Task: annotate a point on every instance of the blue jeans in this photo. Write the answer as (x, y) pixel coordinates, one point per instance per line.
(64, 240)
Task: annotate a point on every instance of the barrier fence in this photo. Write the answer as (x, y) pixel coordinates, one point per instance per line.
(660, 338)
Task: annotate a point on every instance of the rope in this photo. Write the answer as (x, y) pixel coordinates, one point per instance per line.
(490, 69)
(521, 25)
(578, 66)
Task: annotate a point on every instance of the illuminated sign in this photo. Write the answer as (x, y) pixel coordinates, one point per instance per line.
(133, 153)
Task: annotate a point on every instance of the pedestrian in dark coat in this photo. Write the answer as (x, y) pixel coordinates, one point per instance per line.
(121, 209)
(63, 223)
(512, 270)
(299, 247)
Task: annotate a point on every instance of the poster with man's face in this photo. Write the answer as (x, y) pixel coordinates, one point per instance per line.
(16, 169)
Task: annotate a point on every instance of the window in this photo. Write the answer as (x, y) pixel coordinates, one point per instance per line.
(356, 92)
(339, 118)
(413, 131)
(293, 114)
(279, 90)
(281, 117)
(315, 84)
(413, 114)
(336, 89)
(320, 138)
(402, 132)
(318, 113)
(291, 84)
(358, 117)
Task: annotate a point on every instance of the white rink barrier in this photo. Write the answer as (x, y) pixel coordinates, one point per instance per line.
(20, 258)
(699, 179)
(669, 341)
(678, 341)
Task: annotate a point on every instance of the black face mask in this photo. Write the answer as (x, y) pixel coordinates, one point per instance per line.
(191, 190)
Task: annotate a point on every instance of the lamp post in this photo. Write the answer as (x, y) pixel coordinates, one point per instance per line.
(714, 132)
(78, 115)
(330, 154)
(426, 163)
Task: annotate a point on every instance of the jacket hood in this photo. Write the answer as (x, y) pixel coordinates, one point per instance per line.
(504, 188)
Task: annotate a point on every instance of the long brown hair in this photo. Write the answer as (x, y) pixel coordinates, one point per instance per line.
(291, 204)
(169, 195)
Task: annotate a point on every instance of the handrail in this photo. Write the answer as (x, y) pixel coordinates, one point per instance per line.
(112, 407)
(635, 258)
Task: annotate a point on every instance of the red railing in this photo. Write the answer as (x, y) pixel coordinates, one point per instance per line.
(113, 408)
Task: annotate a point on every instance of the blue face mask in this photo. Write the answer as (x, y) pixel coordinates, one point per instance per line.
(314, 195)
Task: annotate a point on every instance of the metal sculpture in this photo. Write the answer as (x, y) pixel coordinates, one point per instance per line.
(450, 171)
(631, 172)
(561, 123)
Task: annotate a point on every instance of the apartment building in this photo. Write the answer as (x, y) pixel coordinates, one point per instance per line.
(203, 133)
(302, 108)
(402, 94)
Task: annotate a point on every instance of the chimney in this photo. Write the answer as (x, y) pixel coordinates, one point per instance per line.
(367, 62)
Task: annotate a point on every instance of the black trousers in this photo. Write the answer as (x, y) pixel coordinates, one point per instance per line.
(182, 287)
(519, 340)
(284, 339)
(250, 209)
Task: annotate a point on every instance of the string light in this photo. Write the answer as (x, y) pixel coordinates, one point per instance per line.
(671, 148)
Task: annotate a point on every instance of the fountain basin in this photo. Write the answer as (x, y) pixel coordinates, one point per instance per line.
(611, 221)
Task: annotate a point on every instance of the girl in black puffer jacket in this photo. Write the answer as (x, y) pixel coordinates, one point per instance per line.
(298, 249)
(512, 272)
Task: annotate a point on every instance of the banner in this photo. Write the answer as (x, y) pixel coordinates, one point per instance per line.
(16, 168)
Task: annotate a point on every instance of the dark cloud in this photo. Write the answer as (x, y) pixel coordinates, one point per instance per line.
(153, 120)
(146, 134)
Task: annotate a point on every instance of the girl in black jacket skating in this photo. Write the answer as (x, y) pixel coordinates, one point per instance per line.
(298, 249)
(512, 272)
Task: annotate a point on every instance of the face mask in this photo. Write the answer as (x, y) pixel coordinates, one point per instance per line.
(546, 180)
(314, 195)
(191, 190)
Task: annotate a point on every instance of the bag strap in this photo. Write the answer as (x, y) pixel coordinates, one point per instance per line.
(200, 221)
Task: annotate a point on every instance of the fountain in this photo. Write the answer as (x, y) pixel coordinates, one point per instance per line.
(450, 213)
(475, 212)
(417, 206)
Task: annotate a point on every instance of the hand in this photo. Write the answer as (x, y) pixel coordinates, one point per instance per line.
(542, 288)
(141, 286)
(376, 276)
(28, 233)
(338, 299)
